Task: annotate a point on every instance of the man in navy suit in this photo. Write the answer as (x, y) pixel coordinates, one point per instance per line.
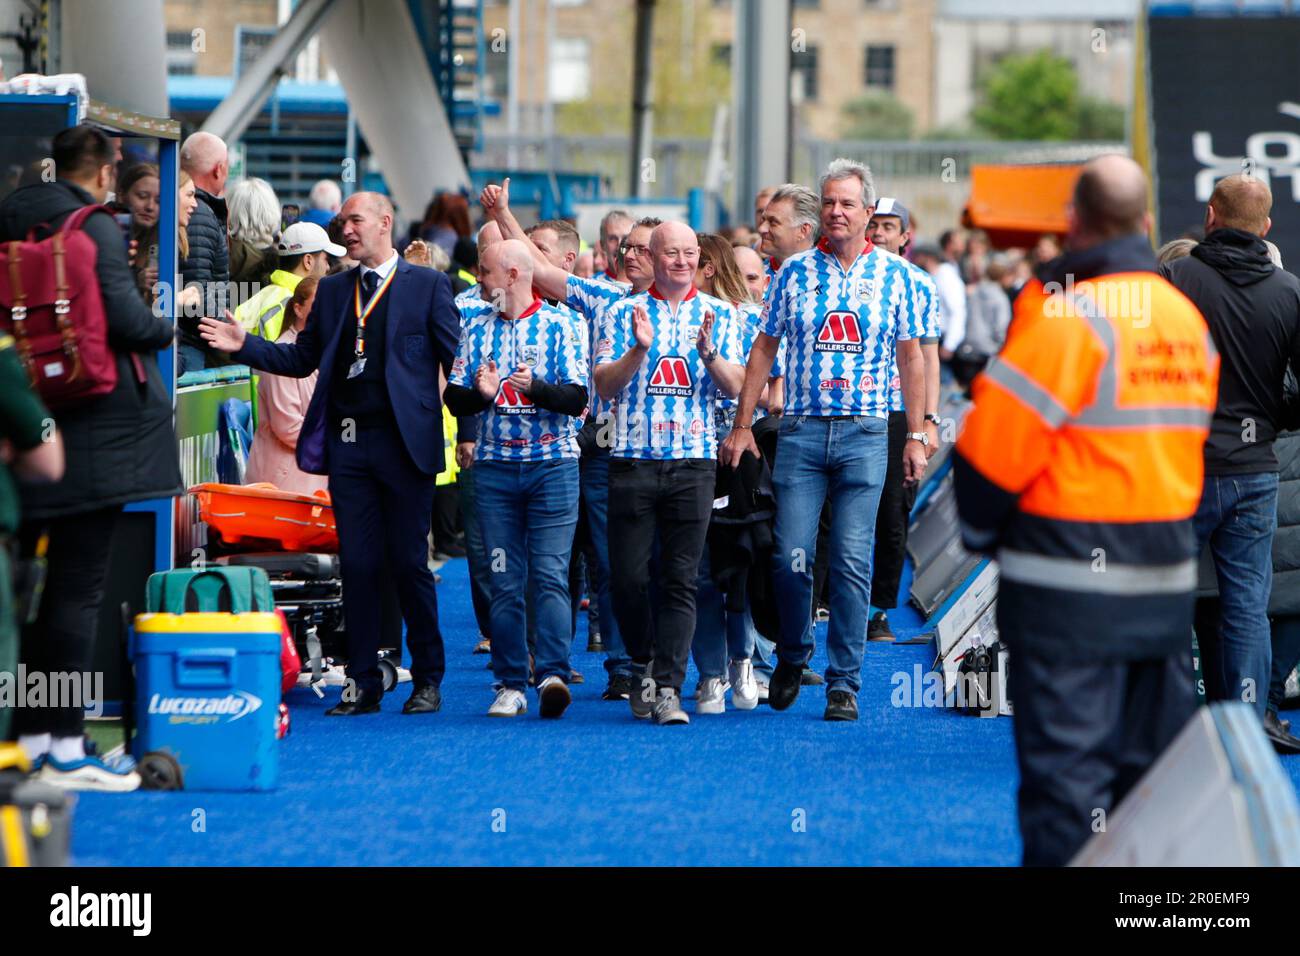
(378, 335)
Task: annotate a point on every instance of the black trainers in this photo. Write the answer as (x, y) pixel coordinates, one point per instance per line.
(1283, 741)
(619, 687)
(783, 688)
(878, 629)
(841, 705)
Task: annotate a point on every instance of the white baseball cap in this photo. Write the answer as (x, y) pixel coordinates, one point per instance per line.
(304, 237)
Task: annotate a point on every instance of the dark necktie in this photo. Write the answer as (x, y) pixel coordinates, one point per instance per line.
(369, 283)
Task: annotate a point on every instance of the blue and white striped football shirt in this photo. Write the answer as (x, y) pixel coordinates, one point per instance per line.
(550, 340)
(840, 328)
(926, 304)
(750, 320)
(667, 410)
(590, 297)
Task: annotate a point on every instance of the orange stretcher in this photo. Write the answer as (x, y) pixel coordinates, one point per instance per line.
(261, 513)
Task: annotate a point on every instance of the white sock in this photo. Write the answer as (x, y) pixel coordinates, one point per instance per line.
(65, 749)
(36, 745)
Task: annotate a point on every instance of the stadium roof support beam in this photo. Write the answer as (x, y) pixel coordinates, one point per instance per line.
(643, 115)
(761, 94)
(240, 108)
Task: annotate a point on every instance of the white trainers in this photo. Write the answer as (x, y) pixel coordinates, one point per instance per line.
(744, 689)
(92, 772)
(711, 696)
(509, 703)
(668, 708)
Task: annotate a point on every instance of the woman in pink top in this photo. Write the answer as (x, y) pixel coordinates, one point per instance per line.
(282, 403)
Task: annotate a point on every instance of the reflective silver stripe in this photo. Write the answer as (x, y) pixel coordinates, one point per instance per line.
(1028, 391)
(1105, 411)
(264, 319)
(1107, 378)
(1172, 415)
(1096, 576)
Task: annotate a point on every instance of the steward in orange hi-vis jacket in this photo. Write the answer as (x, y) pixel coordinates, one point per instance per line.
(1080, 468)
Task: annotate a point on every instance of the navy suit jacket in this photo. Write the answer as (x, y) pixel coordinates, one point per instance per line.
(421, 334)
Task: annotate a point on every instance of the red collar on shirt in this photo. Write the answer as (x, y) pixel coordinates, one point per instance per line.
(825, 246)
(612, 276)
(655, 293)
(537, 304)
(774, 263)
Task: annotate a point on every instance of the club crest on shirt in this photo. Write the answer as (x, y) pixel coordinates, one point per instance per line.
(866, 290)
(530, 355)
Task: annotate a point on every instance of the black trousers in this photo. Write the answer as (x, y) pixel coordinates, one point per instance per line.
(1086, 731)
(673, 500)
(62, 639)
(381, 504)
(896, 500)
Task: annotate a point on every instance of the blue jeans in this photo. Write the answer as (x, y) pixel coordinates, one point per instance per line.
(527, 512)
(1237, 515)
(595, 494)
(480, 570)
(720, 636)
(844, 459)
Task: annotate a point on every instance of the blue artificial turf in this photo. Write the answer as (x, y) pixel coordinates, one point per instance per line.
(902, 786)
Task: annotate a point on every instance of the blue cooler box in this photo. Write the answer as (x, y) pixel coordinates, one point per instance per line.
(208, 694)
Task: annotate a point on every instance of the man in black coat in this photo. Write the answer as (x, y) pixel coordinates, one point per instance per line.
(1253, 311)
(205, 158)
(120, 448)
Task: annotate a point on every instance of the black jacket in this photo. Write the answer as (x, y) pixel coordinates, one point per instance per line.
(1253, 311)
(207, 264)
(121, 447)
(741, 541)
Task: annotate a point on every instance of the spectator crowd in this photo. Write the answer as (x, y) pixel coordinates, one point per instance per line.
(712, 441)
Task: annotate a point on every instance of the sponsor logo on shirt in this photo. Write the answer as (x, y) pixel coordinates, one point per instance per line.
(671, 376)
(697, 427)
(511, 401)
(867, 383)
(840, 332)
(836, 385)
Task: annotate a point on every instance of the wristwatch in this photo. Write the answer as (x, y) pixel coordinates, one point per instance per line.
(709, 356)
(933, 418)
(922, 437)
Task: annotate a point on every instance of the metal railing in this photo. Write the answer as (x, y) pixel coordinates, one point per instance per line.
(679, 164)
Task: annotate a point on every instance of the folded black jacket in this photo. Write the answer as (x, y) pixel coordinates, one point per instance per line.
(741, 541)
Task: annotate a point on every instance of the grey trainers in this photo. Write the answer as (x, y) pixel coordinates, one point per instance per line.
(711, 696)
(642, 697)
(668, 708)
(508, 703)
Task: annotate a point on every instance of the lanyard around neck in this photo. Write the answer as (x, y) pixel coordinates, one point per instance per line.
(364, 313)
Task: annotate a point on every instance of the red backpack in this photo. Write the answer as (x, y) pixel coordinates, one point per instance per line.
(51, 304)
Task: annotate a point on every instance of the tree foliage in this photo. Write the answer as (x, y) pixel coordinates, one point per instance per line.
(877, 115)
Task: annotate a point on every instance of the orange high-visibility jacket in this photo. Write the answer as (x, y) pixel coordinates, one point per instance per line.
(1080, 465)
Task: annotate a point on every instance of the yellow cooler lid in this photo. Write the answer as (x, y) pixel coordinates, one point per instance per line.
(253, 622)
